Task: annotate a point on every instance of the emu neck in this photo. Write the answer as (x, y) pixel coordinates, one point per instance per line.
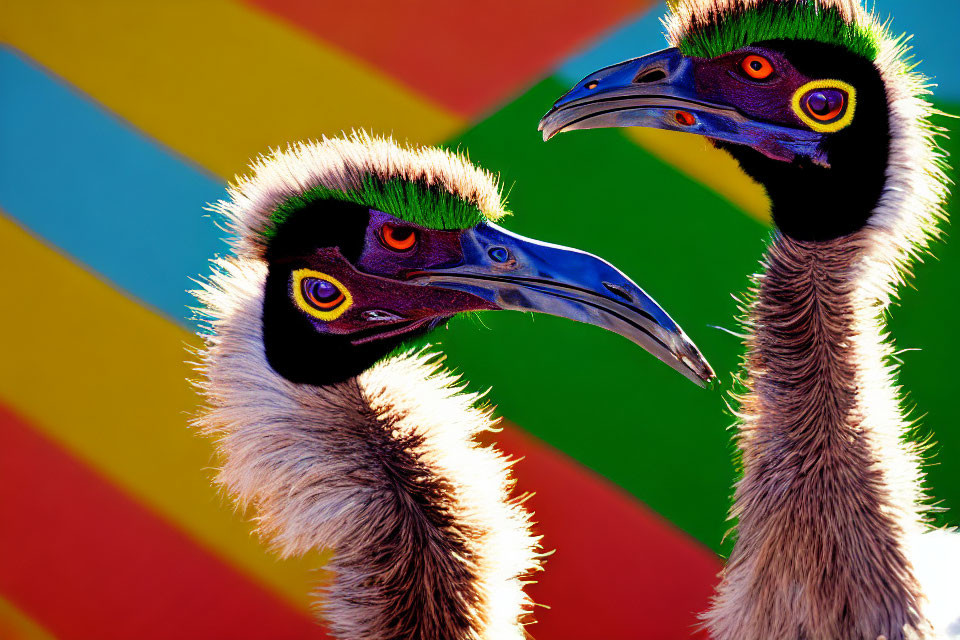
(829, 490)
(383, 469)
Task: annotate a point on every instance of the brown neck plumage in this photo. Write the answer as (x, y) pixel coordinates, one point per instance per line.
(383, 468)
(829, 490)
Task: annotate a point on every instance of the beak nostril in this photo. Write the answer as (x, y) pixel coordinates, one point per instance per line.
(654, 75)
(618, 290)
(685, 118)
(499, 254)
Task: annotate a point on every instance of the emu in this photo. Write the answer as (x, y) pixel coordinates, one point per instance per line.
(820, 104)
(343, 252)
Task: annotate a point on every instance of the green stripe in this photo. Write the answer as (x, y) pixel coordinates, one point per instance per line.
(927, 319)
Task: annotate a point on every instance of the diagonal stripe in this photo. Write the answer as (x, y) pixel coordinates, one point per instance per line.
(614, 558)
(700, 160)
(468, 56)
(16, 625)
(108, 383)
(90, 563)
(611, 407)
(215, 80)
(520, 155)
(629, 40)
(588, 392)
(96, 187)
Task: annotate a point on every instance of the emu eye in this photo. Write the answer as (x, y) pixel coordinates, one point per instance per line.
(756, 67)
(322, 294)
(824, 105)
(398, 238)
(319, 295)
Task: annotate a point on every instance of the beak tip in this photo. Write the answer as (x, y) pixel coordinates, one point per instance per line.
(697, 368)
(545, 128)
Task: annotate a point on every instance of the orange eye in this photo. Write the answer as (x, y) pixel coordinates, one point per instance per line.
(757, 67)
(398, 238)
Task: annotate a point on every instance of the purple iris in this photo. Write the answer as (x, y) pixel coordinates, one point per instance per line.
(825, 104)
(320, 291)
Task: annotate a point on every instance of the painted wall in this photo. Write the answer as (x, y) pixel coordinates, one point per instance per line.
(119, 121)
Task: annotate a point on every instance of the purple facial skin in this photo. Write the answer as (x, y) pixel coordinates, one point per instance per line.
(716, 98)
(433, 249)
(380, 296)
(405, 278)
(722, 81)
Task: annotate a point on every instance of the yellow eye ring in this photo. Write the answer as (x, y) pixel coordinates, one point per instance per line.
(825, 127)
(301, 297)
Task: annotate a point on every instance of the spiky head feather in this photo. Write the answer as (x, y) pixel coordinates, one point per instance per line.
(427, 186)
(711, 28)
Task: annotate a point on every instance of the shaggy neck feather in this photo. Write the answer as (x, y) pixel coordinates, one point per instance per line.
(829, 492)
(383, 468)
(830, 496)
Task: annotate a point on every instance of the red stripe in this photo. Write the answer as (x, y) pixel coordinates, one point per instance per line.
(465, 55)
(620, 570)
(86, 561)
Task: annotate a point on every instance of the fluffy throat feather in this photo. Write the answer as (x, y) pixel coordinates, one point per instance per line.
(830, 487)
(384, 468)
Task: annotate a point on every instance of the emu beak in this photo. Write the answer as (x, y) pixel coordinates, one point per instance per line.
(658, 90)
(513, 272)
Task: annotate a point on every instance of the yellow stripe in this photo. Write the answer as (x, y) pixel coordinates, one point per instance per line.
(107, 380)
(16, 625)
(215, 80)
(696, 157)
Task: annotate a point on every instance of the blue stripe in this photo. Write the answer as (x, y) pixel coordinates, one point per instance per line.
(933, 24)
(100, 191)
(636, 38)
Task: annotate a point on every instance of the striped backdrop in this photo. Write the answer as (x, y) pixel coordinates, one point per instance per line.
(119, 120)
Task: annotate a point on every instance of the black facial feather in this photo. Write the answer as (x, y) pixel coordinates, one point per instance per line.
(323, 223)
(293, 347)
(811, 202)
(299, 353)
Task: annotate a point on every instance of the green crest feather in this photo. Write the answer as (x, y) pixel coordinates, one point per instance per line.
(721, 31)
(414, 201)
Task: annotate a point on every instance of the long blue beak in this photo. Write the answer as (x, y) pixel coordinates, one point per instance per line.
(659, 91)
(513, 272)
